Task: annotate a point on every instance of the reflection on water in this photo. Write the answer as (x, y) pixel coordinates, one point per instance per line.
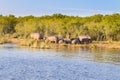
(98, 54)
(95, 54)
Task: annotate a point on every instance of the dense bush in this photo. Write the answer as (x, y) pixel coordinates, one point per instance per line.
(99, 27)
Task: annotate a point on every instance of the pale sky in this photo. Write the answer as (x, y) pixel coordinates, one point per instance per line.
(67, 7)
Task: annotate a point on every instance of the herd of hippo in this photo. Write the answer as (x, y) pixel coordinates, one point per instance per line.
(54, 39)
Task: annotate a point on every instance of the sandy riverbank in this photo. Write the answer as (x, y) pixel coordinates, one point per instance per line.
(94, 44)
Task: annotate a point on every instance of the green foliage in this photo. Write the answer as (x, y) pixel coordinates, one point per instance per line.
(99, 27)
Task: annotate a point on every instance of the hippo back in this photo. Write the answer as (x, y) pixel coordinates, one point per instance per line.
(67, 41)
(75, 41)
(86, 39)
(36, 36)
(52, 39)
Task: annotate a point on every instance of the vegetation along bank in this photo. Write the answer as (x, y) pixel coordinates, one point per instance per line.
(103, 29)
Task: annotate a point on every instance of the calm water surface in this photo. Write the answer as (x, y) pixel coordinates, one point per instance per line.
(97, 55)
(64, 63)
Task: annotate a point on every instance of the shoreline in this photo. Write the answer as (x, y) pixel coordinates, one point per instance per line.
(43, 45)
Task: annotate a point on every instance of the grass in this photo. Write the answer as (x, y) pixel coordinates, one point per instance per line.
(107, 44)
(35, 44)
(2, 40)
(28, 42)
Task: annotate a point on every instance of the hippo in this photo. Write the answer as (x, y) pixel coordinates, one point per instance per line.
(75, 40)
(36, 36)
(52, 39)
(67, 41)
(61, 41)
(85, 39)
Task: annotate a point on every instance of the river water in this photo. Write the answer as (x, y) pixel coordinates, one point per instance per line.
(64, 63)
